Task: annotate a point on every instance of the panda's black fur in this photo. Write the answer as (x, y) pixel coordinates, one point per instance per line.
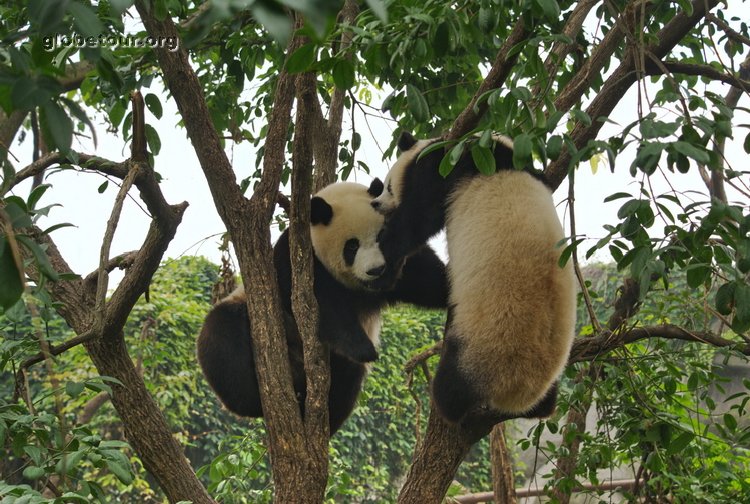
(511, 307)
(348, 324)
(422, 215)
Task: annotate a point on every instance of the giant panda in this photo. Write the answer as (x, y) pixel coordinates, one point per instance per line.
(344, 230)
(511, 307)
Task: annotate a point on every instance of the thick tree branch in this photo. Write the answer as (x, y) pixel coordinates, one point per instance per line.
(676, 67)
(184, 86)
(469, 118)
(329, 134)
(304, 304)
(731, 32)
(619, 82)
(573, 25)
(600, 56)
(586, 349)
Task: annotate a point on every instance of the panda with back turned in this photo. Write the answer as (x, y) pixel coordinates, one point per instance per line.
(344, 229)
(511, 317)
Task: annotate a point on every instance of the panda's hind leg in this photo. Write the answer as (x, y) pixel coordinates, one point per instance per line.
(453, 392)
(546, 405)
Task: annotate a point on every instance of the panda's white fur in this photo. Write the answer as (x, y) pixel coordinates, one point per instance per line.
(514, 307)
(353, 217)
(512, 316)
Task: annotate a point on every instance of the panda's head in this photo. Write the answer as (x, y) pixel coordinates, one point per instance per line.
(344, 228)
(409, 150)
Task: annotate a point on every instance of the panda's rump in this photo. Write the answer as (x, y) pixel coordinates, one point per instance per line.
(506, 287)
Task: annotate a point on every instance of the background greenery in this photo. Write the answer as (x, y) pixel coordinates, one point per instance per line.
(674, 406)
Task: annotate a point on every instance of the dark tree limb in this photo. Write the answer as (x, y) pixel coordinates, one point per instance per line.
(619, 82)
(708, 71)
(247, 223)
(560, 50)
(304, 304)
(503, 482)
(329, 132)
(469, 118)
(730, 32)
(586, 349)
(601, 55)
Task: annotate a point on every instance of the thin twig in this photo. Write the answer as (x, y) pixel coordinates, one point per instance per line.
(114, 219)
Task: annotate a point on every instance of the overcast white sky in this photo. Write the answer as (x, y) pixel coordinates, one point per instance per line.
(200, 230)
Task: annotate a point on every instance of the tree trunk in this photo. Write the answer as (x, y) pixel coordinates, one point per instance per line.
(146, 428)
(503, 483)
(435, 462)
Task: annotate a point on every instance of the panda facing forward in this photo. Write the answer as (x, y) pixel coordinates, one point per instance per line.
(511, 319)
(344, 230)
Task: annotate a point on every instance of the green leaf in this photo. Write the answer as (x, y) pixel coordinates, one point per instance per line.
(628, 209)
(581, 116)
(379, 9)
(273, 18)
(486, 139)
(69, 462)
(11, 279)
(57, 125)
(33, 473)
(153, 140)
(46, 15)
(417, 103)
(441, 40)
(554, 147)
(550, 8)
(680, 442)
(26, 94)
(103, 187)
(116, 113)
(446, 166)
(746, 144)
(692, 151)
(343, 74)
(742, 302)
(85, 20)
(74, 389)
(730, 421)
(154, 105)
(522, 151)
(122, 473)
(483, 158)
(36, 195)
(697, 274)
(40, 256)
(301, 59)
(616, 196)
(486, 19)
(724, 300)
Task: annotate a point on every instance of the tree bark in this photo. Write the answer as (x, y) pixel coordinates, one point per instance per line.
(618, 83)
(503, 482)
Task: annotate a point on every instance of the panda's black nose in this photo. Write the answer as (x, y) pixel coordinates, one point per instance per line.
(375, 204)
(376, 272)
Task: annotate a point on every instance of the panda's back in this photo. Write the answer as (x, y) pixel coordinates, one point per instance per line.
(514, 306)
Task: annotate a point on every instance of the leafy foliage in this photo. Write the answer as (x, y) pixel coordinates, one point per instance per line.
(665, 408)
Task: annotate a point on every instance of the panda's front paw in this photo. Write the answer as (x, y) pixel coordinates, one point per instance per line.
(357, 349)
(364, 353)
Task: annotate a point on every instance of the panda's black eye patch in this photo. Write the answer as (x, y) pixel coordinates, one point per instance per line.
(350, 250)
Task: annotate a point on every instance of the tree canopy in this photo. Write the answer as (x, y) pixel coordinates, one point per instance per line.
(650, 89)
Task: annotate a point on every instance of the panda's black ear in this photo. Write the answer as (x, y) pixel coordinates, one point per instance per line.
(376, 188)
(320, 211)
(406, 141)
